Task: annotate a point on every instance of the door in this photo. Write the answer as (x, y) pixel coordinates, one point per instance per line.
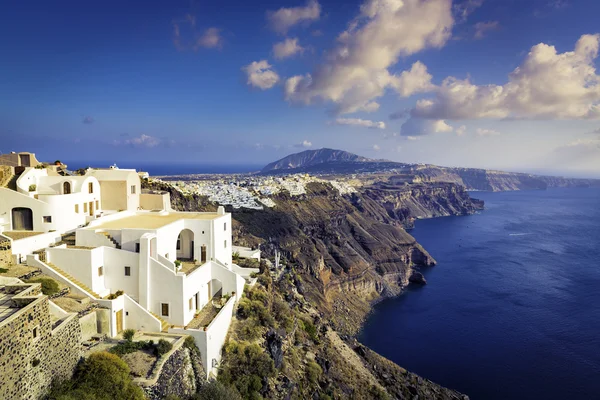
(209, 290)
(119, 321)
(203, 254)
(91, 208)
(22, 219)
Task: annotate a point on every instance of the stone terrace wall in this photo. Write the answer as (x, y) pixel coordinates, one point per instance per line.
(5, 251)
(29, 364)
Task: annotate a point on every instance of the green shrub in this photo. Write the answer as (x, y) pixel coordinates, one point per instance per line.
(313, 372)
(311, 330)
(215, 390)
(32, 188)
(190, 343)
(163, 347)
(128, 334)
(3, 270)
(255, 309)
(49, 286)
(131, 347)
(245, 366)
(102, 376)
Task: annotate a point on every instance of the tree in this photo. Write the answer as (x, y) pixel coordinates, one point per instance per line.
(102, 376)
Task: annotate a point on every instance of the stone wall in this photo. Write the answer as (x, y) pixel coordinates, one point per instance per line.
(30, 364)
(5, 252)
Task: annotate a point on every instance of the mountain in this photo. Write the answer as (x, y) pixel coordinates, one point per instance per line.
(336, 162)
(310, 158)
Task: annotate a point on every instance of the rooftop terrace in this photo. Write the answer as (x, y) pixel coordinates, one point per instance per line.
(150, 220)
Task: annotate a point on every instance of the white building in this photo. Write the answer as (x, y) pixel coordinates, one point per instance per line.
(156, 270)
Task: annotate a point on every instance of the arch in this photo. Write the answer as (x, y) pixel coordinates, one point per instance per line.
(185, 245)
(22, 219)
(67, 188)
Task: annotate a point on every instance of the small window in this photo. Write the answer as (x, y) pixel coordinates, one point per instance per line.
(132, 189)
(178, 243)
(164, 309)
(225, 243)
(77, 208)
(97, 204)
(91, 187)
(203, 232)
(137, 247)
(127, 271)
(84, 207)
(100, 271)
(225, 226)
(47, 219)
(191, 303)
(35, 332)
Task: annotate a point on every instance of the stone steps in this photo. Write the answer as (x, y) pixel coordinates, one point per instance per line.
(164, 324)
(117, 245)
(73, 280)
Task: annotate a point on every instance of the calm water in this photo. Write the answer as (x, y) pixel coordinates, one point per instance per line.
(512, 310)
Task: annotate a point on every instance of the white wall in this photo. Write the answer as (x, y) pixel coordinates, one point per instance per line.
(82, 264)
(166, 287)
(115, 261)
(222, 253)
(28, 245)
(136, 317)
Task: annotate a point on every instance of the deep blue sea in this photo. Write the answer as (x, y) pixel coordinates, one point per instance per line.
(512, 310)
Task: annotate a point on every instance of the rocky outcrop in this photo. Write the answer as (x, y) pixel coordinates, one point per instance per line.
(417, 277)
(310, 158)
(406, 203)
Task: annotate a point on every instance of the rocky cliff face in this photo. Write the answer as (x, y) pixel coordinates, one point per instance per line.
(313, 157)
(405, 203)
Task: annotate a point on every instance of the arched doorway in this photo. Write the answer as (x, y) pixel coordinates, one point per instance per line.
(67, 188)
(185, 245)
(22, 219)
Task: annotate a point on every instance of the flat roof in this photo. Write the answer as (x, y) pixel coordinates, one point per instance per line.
(151, 220)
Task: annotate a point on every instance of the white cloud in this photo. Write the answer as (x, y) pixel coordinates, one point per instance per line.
(548, 85)
(261, 75)
(583, 154)
(482, 28)
(360, 122)
(285, 18)
(461, 130)
(376, 147)
(306, 144)
(356, 71)
(421, 127)
(287, 48)
(211, 38)
(142, 141)
(465, 8)
(486, 132)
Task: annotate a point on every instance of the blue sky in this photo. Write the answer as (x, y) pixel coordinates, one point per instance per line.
(507, 84)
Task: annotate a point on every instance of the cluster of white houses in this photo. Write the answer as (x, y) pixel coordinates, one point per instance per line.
(152, 268)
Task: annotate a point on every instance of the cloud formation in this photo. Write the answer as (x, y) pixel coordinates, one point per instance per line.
(486, 132)
(282, 20)
(142, 141)
(287, 48)
(88, 120)
(465, 8)
(187, 37)
(355, 71)
(482, 28)
(305, 144)
(261, 75)
(366, 123)
(547, 85)
(422, 127)
(461, 130)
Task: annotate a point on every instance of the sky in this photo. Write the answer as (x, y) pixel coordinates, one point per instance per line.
(503, 84)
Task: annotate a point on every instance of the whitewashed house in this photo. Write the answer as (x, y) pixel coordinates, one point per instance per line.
(157, 270)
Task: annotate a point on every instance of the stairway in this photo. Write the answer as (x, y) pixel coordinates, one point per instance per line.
(41, 255)
(164, 325)
(68, 239)
(112, 239)
(73, 280)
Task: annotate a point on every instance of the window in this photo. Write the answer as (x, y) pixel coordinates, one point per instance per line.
(35, 333)
(178, 243)
(225, 226)
(132, 189)
(84, 207)
(203, 232)
(137, 247)
(127, 271)
(66, 188)
(191, 303)
(225, 243)
(100, 271)
(164, 309)
(77, 208)
(47, 219)
(91, 187)
(97, 204)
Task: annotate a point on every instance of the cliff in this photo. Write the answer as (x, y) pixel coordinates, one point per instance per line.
(313, 157)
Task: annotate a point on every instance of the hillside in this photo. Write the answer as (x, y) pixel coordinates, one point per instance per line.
(309, 158)
(339, 254)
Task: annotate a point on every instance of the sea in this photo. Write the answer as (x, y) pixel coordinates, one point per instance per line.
(512, 309)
